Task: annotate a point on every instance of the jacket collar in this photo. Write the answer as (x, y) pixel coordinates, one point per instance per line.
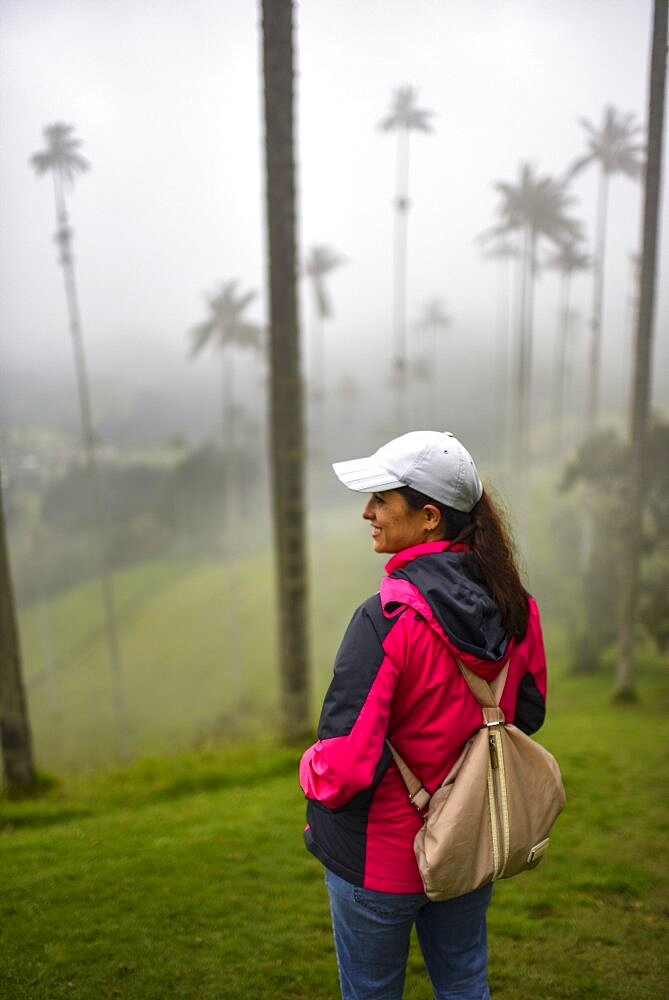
(403, 558)
(398, 591)
(396, 594)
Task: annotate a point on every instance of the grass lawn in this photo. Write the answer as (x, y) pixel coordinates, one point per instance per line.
(185, 876)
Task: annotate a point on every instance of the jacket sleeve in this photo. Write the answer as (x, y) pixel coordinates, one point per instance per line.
(350, 748)
(530, 706)
(531, 698)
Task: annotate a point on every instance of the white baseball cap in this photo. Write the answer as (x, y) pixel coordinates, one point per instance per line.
(432, 462)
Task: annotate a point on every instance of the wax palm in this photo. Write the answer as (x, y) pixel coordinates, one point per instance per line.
(61, 157)
(287, 446)
(404, 117)
(321, 261)
(225, 326)
(537, 205)
(63, 160)
(404, 113)
(567, 259)
(226, 329)
(642, 377)
(536, 208)
(505, 252)
(432, 324)
(616, 148)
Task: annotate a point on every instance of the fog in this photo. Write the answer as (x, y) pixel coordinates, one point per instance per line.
(166, 100)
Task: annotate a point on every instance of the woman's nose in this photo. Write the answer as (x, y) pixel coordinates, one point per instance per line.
(366, 513)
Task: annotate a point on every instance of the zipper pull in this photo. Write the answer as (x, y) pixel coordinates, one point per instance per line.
(493, 751)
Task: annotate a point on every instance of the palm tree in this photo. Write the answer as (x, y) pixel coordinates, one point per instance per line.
(631, 319)
(404, 117)
(15, 736)
(568, 258)
(320, 261)
(536, 209)
(287, 451)
(433, 323)
(504, 252)
(226, 330)
(63, 160)
(615, 147)
(642, 361)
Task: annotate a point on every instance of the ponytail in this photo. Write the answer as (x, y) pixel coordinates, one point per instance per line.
(491, 557)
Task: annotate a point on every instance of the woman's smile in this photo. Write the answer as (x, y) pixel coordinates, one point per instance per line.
(394, 525)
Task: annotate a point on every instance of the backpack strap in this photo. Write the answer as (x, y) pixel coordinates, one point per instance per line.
(418, 794)
(488, 696)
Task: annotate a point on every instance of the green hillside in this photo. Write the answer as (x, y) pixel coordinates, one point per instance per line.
(185, 876)
(197, 640)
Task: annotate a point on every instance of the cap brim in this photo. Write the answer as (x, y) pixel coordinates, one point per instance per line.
(364, 476)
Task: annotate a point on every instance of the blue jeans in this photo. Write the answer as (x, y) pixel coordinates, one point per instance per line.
(372, 932)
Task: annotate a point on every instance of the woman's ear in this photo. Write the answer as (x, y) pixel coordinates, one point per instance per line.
(432, 519)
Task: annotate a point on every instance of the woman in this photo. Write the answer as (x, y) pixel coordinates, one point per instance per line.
(452, 588)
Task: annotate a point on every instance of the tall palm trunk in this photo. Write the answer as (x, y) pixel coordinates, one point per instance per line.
(435, 381)
(400, 278)
(522, 385)
(529, 345)
(560, 360)
(624, 686)
(15, 736)
(592, 402)
(501, 416)
(63, 237)
(230, 518)
(592, 406)
(318, 397)
(286, 402)
(519, 366)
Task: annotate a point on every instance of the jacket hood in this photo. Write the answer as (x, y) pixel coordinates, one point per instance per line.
(437, 574)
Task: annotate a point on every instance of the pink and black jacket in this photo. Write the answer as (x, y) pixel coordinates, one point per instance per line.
(395, 675)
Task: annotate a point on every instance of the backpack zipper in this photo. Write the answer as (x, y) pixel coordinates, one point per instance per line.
(499, 806)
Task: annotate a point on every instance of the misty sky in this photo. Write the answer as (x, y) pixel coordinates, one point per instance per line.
(166, 98)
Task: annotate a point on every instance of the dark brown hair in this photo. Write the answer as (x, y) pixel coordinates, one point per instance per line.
(492, 558)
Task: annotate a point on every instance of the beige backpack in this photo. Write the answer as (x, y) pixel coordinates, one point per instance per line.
(491, 816)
